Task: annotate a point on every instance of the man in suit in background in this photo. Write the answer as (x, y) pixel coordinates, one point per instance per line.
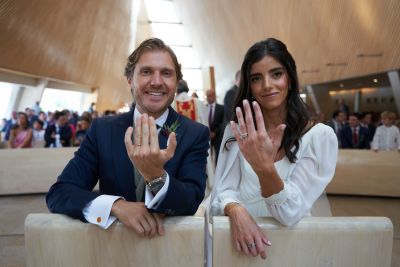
(159, 172)
(229, 99)
(58, 134)
(337, 123)
(215, 121)
(353, 135)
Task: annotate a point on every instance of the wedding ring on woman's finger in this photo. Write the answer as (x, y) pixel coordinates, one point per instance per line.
(243, 136)
(251, 245)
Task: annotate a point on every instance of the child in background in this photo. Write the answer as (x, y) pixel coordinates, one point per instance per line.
(38, 134)
(387, 136)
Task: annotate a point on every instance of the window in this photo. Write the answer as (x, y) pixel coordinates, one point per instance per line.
(5, 99)
(56, 99)
(168, 27)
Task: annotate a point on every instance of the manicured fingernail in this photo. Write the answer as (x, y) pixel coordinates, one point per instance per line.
(269, 243)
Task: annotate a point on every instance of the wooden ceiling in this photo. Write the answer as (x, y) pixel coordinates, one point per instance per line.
(87, 42)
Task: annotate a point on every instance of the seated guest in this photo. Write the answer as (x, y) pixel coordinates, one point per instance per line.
(60, 133)
(160, 172)
(337, 123)
(387, 136)
(38, 134)
(366, 121)
(353, 135)
(276, 162)
(81, 127)
(21, 133)
(215, 121)
(10, 123)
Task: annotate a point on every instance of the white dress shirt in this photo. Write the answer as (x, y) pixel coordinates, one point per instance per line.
(98, 210)
(304, 181)
(386, 138)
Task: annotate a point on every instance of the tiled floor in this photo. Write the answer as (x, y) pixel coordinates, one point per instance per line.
(14, 209)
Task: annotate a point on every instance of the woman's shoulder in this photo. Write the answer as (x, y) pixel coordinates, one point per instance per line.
(320, 128)
(319, 133)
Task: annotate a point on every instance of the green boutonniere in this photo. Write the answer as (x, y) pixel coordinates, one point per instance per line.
(170, 129)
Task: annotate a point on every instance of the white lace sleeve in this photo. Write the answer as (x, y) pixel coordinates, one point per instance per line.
(311, 174)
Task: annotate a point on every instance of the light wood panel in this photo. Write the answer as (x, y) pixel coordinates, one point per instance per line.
(314, 241)
(57, 240)
(368, 173)
(315, 32)
(85, 42)
(31, 170)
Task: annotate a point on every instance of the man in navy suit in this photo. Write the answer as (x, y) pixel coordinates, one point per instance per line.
(354, 135)
(215, 121)
(144, 172)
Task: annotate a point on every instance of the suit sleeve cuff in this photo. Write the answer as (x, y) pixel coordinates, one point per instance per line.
(98, 211)
(151, 201)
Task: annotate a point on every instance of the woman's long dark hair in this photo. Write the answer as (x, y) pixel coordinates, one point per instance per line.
(298, 115)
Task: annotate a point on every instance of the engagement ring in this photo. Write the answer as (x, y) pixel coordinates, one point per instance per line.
(243, 136)
(251, 245)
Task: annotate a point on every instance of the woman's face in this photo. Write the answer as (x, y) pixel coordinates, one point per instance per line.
(22, 120)
(269, 84)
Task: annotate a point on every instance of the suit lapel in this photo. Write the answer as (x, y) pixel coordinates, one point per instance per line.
(163, 136)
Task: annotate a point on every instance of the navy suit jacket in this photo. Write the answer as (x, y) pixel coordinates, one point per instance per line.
(346, 138)
(102, 157)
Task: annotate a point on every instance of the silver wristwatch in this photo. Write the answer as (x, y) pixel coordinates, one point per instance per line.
(155, 185)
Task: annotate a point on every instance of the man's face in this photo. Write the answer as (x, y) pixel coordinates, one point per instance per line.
(62, 120)
(210, 97)
(341, 117)
(353, 121)
(368, 119)
(154, 82)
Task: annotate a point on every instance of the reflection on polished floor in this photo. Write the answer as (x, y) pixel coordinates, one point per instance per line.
(14, 209)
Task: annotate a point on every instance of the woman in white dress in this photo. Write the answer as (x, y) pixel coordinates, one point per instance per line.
(273, 160)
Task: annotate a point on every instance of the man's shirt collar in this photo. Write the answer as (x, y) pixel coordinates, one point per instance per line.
(160, 121)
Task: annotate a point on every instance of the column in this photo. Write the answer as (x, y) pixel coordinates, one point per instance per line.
(312, 96)
(395, 84)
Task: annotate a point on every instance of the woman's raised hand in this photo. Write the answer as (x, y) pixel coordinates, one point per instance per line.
(257, 145)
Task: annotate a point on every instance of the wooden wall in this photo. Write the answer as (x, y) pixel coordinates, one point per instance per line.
(85, 42)
(316, 33)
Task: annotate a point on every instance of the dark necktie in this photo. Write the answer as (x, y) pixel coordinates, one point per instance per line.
(355, 136)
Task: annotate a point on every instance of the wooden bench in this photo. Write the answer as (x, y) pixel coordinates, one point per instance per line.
(314, 241)
(24, 171)
(57, 240)
(368, 173)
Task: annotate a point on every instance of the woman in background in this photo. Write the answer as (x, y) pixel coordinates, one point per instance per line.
(21, 133)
